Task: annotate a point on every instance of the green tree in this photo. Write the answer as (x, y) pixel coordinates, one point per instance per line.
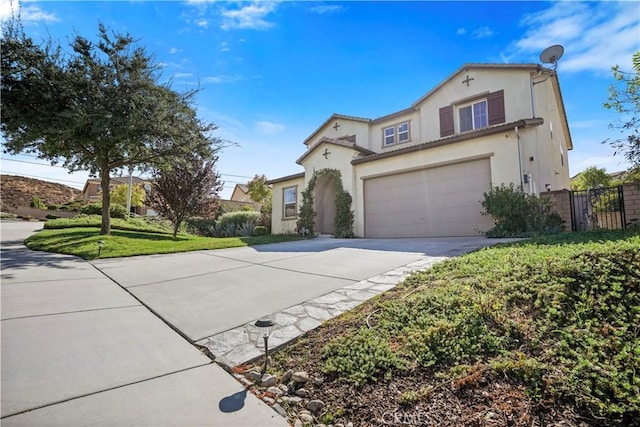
(591, 177)
(260, 192)
(99, 108)
(120, 193)
(624, 99)
(186, 189)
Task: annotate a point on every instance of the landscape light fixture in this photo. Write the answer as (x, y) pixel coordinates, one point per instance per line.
(265, 326)
(100, 246)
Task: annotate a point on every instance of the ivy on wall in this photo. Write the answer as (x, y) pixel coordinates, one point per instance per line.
(343, 223)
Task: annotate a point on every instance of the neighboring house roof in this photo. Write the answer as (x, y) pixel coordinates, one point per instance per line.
(115, 180)
(452, 139)
(340, 142)
(286, 178)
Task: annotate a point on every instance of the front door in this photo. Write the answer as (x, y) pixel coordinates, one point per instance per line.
(325, 203)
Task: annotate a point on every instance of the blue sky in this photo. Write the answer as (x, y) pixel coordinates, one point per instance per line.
(272, 72)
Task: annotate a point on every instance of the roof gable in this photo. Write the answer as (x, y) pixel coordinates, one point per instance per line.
(470, 66)
(339, 142)
(333, 117)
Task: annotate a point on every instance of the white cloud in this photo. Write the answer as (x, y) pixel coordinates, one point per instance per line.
(182, 75)
(224, 47)
(252, 17)
(326, 9)
(30, 13)
(223, 79)
(202, 23)
(461, 31)
(269, 128)
(482, 33)
(174, 50)
(595, 36)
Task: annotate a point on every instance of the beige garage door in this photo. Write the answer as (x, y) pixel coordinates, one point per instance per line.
(436, 202)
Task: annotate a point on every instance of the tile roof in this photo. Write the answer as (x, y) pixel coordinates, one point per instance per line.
(341, 142)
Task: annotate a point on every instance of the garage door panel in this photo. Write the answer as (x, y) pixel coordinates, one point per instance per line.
(442, 201)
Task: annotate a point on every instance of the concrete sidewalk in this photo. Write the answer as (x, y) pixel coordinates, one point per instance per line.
(77, 349)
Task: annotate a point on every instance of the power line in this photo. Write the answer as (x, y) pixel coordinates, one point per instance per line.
(42, 177)
(57, 166)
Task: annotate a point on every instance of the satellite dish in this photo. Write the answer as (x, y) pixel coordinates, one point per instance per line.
(551, 54)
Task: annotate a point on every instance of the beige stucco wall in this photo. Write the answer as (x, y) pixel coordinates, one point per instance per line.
(501, 149)
(515, 84)
(279, 225)
(340, 159)
(376, 138)
(347, 127)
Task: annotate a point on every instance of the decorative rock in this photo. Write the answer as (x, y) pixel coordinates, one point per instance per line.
(275, 391)
(318, 381)
(245, 382)
(349, 424)
(268, 400)
(280, 410)
(303, 392)
(287, 376)
(268, 380)
(338, 425)
(306, 418)
(300, 377)
(284, 388)
(291, 399)
(297, 423)
(253, 375)
(305, 411)
(315, 405)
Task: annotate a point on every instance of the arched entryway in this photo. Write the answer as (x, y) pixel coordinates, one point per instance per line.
(325, 203)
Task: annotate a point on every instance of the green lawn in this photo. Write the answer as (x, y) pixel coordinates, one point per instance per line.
(83, 242)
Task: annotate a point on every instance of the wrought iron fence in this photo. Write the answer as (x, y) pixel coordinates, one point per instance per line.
(597, 208)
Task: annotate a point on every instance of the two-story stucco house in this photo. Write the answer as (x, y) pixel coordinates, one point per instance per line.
(422, 171)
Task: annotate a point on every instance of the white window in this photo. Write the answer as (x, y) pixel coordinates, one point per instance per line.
(400, 129)
(473, 116)
(289, 197)
(390, 135)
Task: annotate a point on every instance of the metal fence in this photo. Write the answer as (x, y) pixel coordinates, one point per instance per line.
(597, 208)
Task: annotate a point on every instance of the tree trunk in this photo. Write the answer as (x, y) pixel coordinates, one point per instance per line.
(105, 180)
(175, 228)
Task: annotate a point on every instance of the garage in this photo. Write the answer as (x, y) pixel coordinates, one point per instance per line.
(435, 202)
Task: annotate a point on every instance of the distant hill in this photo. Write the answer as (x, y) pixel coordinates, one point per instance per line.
(17, 191)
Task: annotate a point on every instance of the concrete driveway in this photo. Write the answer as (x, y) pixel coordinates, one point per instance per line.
(208, 292)
(110, 342)
(77, 349)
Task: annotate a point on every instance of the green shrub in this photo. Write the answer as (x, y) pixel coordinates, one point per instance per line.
(27, 218)
(343, 223)
(115, 210)
(37, 203)
(518, 214)
(50, 216)
(360, 358)
(246, 229)
(53, 207)
(260, 230)
(201, 227)
(238, 218)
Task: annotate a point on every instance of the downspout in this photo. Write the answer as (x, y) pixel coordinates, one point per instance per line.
(521, 172)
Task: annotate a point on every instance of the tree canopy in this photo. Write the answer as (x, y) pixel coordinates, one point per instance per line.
(99, 108)
(592, 177)
(624, 99)
(185, 189)
(120, 194)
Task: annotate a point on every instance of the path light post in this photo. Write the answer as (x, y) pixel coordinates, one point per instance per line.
(265, 326)
(100, 246)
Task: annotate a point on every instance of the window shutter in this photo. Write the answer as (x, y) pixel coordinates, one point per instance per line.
(495, 105)
(446, 121)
